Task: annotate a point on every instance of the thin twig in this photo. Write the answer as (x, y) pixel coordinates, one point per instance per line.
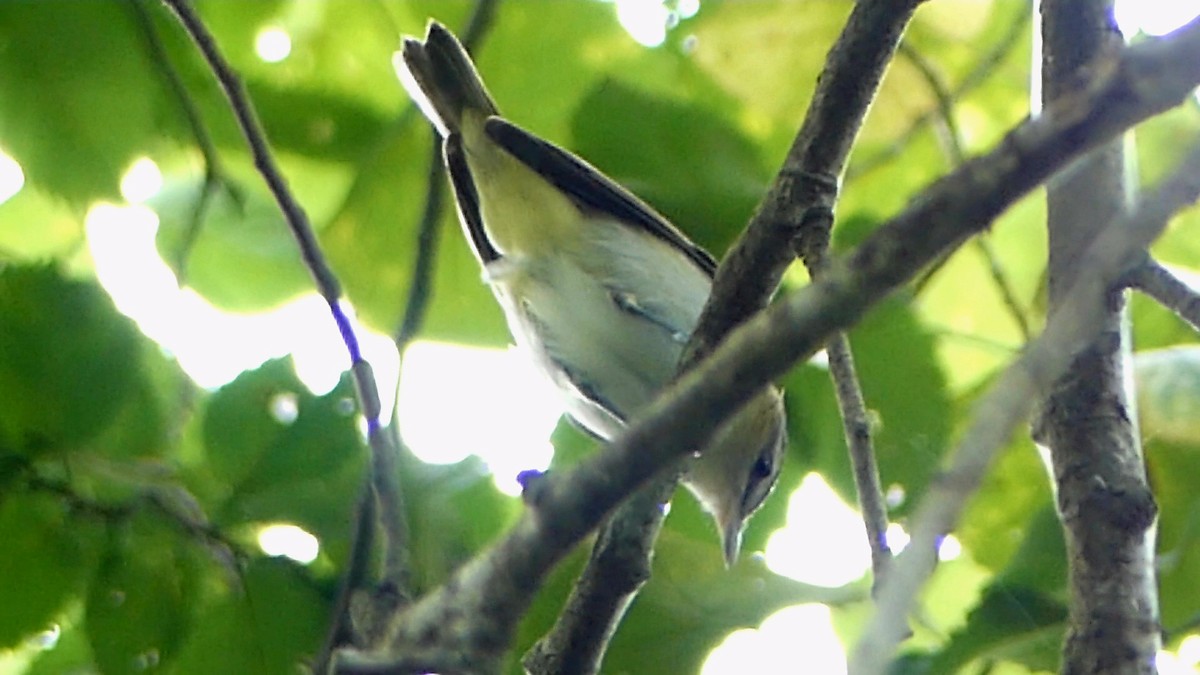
(297, 220)
(856, 423)
(856, 426)
(618, 568)
(381, 506)
(1008, 403)
(327, 285)
(1008, 293)
(1157, 282)
(420, 284)
(416, 306)
(976, 340)
(952, 142)
(215, 177)
(225, 550)
(978, 75)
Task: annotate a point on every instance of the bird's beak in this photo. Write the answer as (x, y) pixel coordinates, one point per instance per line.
(731, 540)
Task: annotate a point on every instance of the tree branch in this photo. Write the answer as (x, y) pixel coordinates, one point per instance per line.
(173, 503)
(808, 179)
(856, 426)
(1078, 319)
(952, 143)
(214, 173)
(1086, 420)
(856, 423)
(1167, 289)
(472, 617)
(420, 284)
(979, 74)
(360, 615)
(616, 571)
(748, 276)
(382, 450)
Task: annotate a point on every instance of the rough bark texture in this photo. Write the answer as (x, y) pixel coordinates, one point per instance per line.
(1104, 501)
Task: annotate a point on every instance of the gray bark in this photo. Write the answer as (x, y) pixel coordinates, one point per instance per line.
(1087, 422)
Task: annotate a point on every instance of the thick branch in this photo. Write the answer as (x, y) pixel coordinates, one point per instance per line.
(808, 179)
(749, 275)
(1104, 499)
(469, 622)
(1078, 319)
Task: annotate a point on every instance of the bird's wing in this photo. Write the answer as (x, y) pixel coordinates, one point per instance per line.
(590, 188)
(468, 199)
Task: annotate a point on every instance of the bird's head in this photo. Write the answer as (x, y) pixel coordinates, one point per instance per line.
(737, 469)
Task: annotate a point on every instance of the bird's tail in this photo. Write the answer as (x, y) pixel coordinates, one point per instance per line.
(440, 77)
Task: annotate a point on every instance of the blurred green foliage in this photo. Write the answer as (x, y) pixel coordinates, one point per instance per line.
(129, 499)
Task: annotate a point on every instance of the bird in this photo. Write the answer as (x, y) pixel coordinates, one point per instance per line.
(600, 290)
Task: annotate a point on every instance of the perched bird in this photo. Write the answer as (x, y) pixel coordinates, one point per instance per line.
(596, 286)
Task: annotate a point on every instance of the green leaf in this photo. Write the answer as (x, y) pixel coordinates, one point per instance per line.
(70, 654)
(142, 427)
(962, 301)
(285, 454)
(338, 53)
(704, 603)
(539, 93)
(734, 41)
(1155, 326)
(689, 605)
(1172, 469)
(138, 605)
(1041, 561)
(712, 198)
(243, 256)
(68, 360)
(320, 125)
(1010, 623)
(372, 245)
(956, 38)
(1168, 387)
(72, 133)
(269, 628)
(1159, 150)
(997, 517)
(548, 604)
(45, 565)
(453, 512)
(905, 393)
(904, 385)
(35, 226)
(1020, 615)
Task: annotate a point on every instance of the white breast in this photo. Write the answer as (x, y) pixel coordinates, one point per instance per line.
(605, 321)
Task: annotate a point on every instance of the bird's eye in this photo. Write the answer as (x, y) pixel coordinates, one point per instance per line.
(762, 468)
